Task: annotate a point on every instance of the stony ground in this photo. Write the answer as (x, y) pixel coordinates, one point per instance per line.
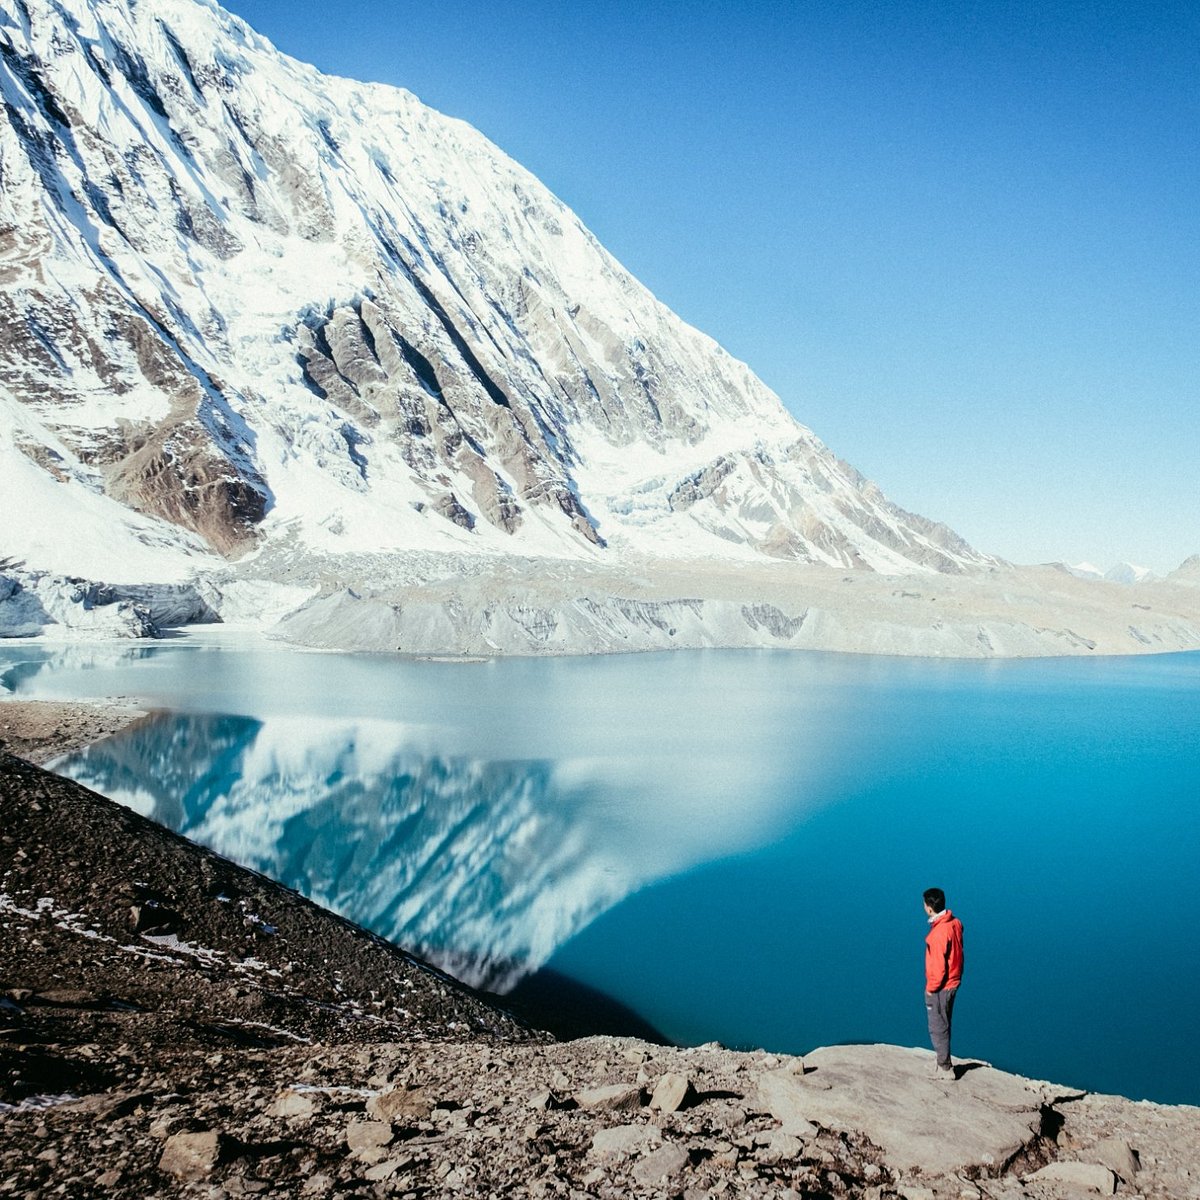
(41, 730)
(171, 1025)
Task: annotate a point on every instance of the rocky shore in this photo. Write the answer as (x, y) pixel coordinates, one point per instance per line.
(173, 1025)
(42, 730)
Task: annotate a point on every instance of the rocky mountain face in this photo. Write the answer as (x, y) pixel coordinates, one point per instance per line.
(246, 306)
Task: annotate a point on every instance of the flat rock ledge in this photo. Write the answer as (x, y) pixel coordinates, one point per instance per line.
(173, 1026)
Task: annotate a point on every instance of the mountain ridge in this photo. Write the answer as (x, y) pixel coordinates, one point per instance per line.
(330, 287)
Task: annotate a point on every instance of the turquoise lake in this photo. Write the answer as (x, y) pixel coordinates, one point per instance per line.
(730, 844)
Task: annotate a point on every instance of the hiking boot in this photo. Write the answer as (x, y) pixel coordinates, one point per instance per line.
(946, 1072)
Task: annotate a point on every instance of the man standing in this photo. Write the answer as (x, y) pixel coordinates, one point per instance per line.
(943, 974)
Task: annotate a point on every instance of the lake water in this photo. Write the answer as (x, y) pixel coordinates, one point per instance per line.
(732, 844)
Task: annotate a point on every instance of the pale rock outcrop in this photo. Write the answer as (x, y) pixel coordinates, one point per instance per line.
(1090, 1177)
(984, 1119)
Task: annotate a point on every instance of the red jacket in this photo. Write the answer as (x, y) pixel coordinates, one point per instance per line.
(944, 953)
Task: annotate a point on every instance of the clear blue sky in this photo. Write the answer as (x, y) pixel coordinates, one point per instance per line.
(961, 240)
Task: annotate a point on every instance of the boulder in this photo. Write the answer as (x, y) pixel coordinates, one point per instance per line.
(193, 1155)
(623, 1140)
(1118, 1155)
(291, 1103)
(671, 1093)
(1090, 1176)
(887, 1093)
(366, 1137)
(400, 1106)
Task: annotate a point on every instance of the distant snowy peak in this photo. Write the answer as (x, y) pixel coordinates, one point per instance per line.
(1129, 573)
(245, 304)
(1120, 573)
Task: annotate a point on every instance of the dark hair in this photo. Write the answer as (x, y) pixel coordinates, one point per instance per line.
(935, 898)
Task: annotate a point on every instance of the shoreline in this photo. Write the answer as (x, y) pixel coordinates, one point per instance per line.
(40, 731)
(44, 731)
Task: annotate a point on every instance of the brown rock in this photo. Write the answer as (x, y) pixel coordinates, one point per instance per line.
(108, 1105)
(291, 1103)
(365, 1137)
(388, 1168)
(399, 1106)
(193, 1155)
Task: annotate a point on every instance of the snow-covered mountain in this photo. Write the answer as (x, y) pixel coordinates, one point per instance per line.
(250, 309)
(1122, 572)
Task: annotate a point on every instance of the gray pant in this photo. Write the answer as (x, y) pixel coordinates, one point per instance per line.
(939, 1007)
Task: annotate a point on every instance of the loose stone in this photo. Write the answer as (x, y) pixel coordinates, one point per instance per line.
(617, 1097)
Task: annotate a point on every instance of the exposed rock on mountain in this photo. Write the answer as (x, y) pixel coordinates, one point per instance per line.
(254, 303)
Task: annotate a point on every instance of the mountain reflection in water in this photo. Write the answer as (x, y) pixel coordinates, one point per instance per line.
(483, 867)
